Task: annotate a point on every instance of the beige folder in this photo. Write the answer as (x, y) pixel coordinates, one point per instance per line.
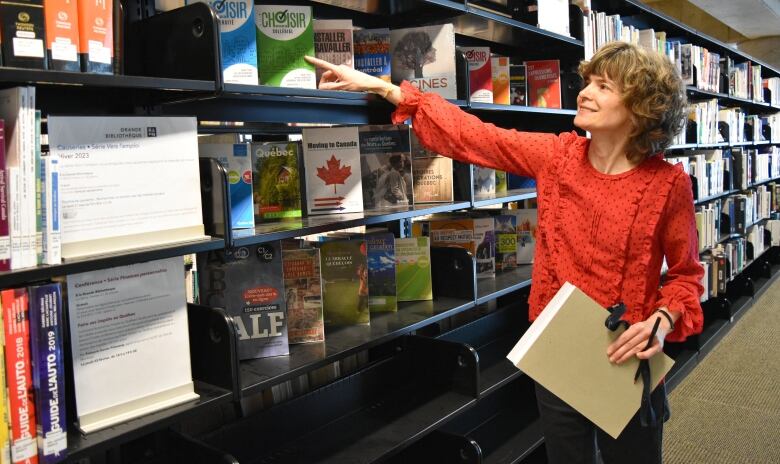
(565, 350)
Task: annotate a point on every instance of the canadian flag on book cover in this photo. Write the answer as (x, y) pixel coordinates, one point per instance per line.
(543, 80)
(332, 162)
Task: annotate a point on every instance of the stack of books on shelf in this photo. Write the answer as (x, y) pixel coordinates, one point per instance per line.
(708, 167)
(772, 85)
(745, 80)
(703, 117)
(731, 123)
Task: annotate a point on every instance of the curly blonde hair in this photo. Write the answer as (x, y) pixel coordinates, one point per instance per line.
(651, 89)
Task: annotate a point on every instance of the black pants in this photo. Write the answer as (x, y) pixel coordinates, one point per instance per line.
(570, 438)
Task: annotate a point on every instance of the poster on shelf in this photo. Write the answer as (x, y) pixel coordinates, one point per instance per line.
(121, 321)
(126, 182)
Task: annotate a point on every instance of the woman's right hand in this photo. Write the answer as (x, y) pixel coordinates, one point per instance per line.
(341, 77)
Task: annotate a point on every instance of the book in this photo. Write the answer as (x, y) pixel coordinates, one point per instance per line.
(5, 424)
(248, 282)
(332, 164)
(517, 85)
(372, 52)
(506, 241)
(276, 179)
(425, 56)
(21, 404)
(22, 33)
(480, 73)
(485, 239)
(48, 371)
(62, 34)
(303, 295)
(413, 269)
(381, 272)
(38, 191)
(432, 175)
(473, 234)
(484, 182)
(577, 369)
(5, 237)
(385, 166)
(344, 268)
(237, 162)
(544, 83)
(333, 42)
(501, 182)
(515, 182)
(128, 323)
(526, 224)
(96, 35)
(499, 68)
(285, 34)
(51, 210)
(237, 39)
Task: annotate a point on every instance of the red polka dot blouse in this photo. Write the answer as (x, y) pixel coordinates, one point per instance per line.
(606, 234)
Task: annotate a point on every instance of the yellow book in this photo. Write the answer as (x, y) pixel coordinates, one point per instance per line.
(565, 350)
(5, 447)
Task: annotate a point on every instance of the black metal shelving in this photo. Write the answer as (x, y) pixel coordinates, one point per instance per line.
(503, 283)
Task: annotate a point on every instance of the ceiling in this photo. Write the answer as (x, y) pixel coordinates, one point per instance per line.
(751, 18)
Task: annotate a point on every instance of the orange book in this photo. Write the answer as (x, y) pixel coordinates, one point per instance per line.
(62, 34)
(96, 35)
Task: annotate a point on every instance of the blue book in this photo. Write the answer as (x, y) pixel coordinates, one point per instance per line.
(238, 164)
(381, 272)
(515, 182)
(48, 371)
(372, 52)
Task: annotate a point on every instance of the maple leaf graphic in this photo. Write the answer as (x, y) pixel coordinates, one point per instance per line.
(334, 173)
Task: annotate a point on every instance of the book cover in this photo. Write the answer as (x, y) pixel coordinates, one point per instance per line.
(526, 233)
(96, 35)
(456, 231)
(5, 425)
(544, 83)
(303, 294)
(577, 370)
(385, 166)
(5, 237)
(501, 182)
(499, 67)
(425, 56)
(62, 34)
(333, 42)
(413, 269)
(432, 175)
(517, 85)
(21, 403)
(51, 210)
(506, 241)
(48, 371)
(485, 239)
(515, 182)
(38, 191)
(285, 34)
(344, 268)
(484, 182)
(480, 73)
(332, 165)
(276, 180)
(23, 36)
(248, 283)
(381, 272)
(237, 39)
(238, 164)
(372, 52)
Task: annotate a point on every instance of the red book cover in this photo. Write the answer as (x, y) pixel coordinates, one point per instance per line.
(480, 74)
(21, 412)
(543, 80)
(5, 237)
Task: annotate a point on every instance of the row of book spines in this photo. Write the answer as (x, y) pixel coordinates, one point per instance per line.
(67, 35)
(20, 248)
(34, 374)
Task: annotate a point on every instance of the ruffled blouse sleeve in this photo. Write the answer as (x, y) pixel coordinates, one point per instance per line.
(679, 240)
(446, 129)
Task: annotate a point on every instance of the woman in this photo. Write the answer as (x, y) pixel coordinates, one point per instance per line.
(610, 209)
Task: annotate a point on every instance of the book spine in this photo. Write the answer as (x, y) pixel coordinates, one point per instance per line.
(5, 425)
(5, 237)
(29, 177)
(53, 213)
(24, 190)
(96, 35)
(38, 191)
(15, 216)
(17, 358)
(62, 34)
(48, 371)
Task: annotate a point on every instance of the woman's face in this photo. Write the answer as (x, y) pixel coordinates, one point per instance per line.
(600, 108)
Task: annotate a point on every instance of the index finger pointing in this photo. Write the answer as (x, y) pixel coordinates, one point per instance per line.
(320, 63)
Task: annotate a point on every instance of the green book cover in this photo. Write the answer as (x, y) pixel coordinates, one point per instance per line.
(344, 269)
(413, 269)
(285, 34)
(276, 180)
(501, 185)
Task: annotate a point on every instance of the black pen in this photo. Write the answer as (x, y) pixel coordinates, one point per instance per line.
(649, 344)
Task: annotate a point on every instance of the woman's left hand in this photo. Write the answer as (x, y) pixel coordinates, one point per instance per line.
(634, 339)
